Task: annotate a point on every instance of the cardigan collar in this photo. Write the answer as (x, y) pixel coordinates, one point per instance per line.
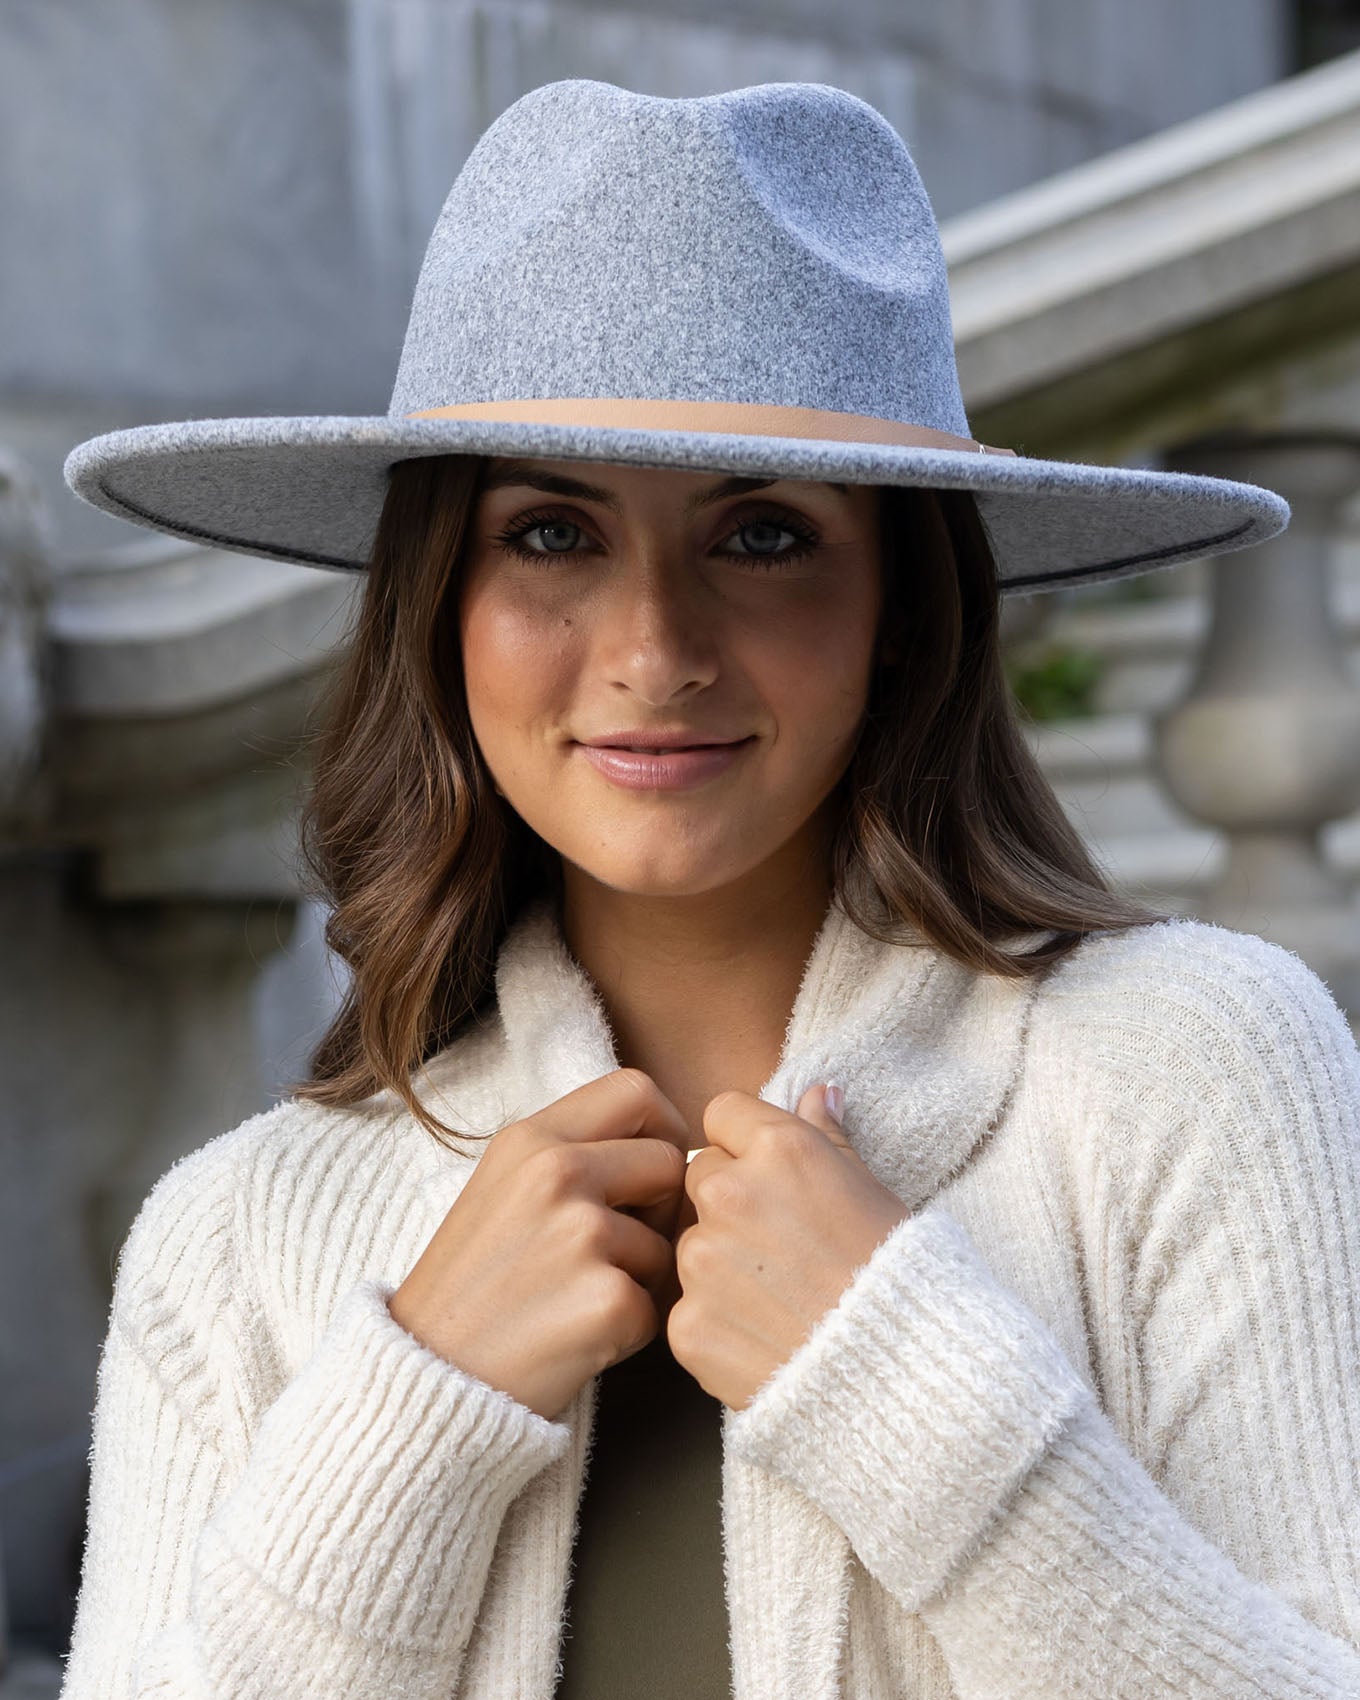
(925, 1046)
(928, 1051)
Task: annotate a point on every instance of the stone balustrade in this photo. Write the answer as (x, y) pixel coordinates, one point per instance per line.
(1265, 745)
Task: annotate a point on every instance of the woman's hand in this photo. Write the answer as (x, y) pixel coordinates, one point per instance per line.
(539, 1275)
(781, 1214)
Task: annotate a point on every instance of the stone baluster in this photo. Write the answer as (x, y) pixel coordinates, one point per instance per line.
(1265, 744)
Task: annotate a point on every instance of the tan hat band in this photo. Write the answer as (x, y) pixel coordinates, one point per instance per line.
(742, 418)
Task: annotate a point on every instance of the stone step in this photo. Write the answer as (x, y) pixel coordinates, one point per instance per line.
(1149, 646)
(1101, 769)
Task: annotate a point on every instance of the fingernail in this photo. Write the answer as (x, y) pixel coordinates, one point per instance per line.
(835, 1101)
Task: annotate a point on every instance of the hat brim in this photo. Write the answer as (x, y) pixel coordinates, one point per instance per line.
(310, 489)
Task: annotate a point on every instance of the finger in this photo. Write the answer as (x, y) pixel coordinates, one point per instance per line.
(702, 1161)
(618, 1105)
(812, 1108)
(622, 1172)
(731, 1119)
(638, 1249)
(661, 1217)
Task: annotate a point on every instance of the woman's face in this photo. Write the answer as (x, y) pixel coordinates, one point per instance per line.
(650, 602)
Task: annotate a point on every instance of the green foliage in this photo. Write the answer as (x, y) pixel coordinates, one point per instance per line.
(1055, 681)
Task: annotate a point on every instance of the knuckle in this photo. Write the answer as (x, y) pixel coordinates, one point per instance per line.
(721, 1099)
(766, 1132)
(785, 1139)
(620, 1303)
(721, 1192)
(511, 1144)
(684, 1329)
(636, 1080)
(557, 1168)
(690, 1253)
(587, 1227)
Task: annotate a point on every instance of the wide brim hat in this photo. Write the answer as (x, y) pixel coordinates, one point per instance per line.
(749, 282)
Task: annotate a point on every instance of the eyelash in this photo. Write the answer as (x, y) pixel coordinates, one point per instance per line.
(511, 539)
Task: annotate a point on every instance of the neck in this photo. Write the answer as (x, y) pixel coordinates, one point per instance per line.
(699, 989)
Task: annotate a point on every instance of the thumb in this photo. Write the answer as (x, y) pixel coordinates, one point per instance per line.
(812, 1107)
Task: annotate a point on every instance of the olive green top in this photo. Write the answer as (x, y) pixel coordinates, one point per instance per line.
(646, 1611)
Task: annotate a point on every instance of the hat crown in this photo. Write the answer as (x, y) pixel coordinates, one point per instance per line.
(749, 282)
(771, 245)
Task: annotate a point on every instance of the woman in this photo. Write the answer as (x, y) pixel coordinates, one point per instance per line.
(670, 783)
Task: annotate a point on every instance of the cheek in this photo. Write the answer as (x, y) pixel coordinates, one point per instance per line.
(514, 662)
(820, 690)
(825, 660)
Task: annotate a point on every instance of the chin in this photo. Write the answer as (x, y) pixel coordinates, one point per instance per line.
(656, 885)
(662, 876)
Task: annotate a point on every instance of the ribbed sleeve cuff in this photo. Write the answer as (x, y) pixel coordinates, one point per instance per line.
(915, 1407)
(378, 1481)
(1161, 1610)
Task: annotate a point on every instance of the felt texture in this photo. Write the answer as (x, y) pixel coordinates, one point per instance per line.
(771, 244)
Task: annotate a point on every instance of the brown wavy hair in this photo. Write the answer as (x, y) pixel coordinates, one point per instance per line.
(945, 820)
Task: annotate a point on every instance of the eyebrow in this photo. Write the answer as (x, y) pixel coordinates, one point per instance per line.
(558, 484)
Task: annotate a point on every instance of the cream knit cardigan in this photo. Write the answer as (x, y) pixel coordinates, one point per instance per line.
(1087, 1423)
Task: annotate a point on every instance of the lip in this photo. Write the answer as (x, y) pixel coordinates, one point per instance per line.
(676, 770)
(642, 738)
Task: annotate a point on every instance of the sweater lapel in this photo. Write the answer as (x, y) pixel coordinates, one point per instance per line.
(926, 1048)
(928, 1051)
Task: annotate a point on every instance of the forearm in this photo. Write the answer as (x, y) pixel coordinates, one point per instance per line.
(1091, 1584)
(937, 1422)
(350, 1553)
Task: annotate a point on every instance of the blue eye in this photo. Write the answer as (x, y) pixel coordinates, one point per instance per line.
(513, 539)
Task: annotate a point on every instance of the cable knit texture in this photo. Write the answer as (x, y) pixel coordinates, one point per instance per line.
(1085, 1424)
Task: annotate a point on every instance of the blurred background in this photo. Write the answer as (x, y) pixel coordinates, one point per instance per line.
(219, 207)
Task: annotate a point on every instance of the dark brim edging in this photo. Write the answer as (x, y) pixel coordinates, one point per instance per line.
(310, 489)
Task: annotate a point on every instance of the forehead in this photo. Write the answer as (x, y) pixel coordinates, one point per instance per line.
(604, 483)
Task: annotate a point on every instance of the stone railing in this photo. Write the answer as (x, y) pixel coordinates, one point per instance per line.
(1193, 301)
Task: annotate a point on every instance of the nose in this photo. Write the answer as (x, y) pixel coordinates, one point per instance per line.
(658, 634)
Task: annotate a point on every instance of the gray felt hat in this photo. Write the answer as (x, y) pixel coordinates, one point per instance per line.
(748, 282)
